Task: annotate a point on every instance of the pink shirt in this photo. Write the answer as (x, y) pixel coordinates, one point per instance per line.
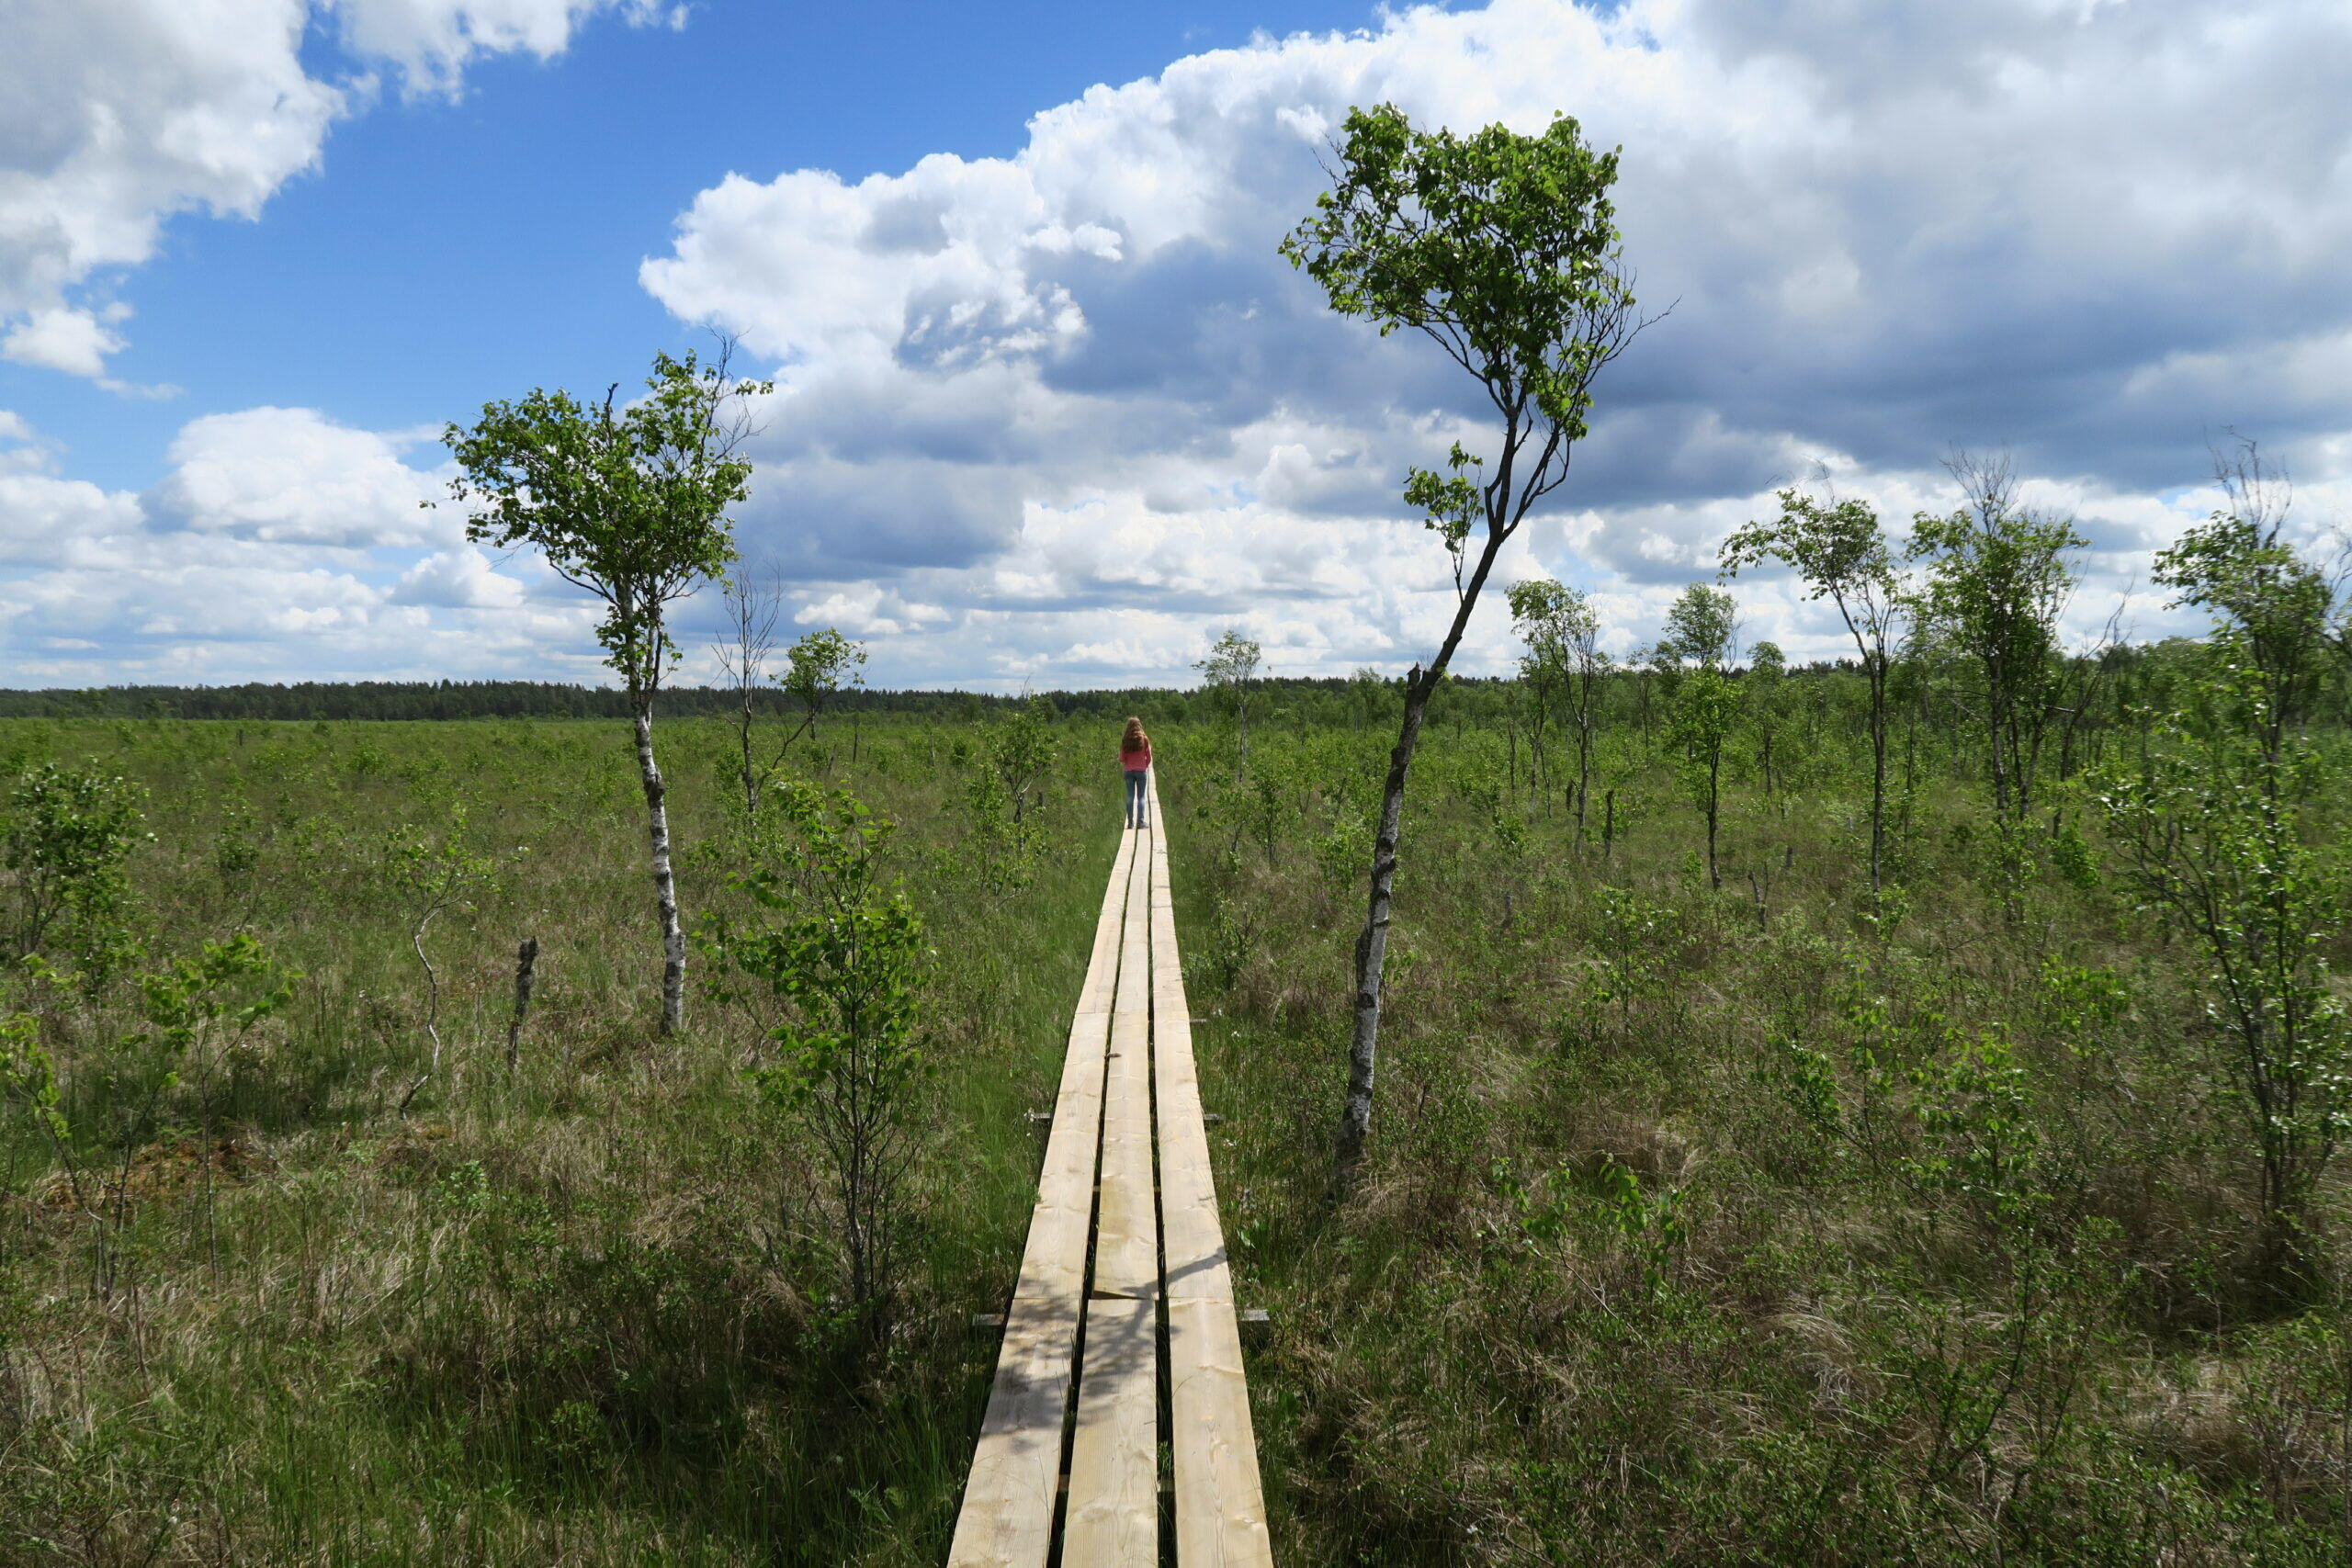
(1133, 761)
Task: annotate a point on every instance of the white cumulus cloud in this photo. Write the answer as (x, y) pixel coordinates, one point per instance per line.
(62, 338)
(116, 115)
(462, 579)
(293, 475)
(1077, 382)
(281, 546)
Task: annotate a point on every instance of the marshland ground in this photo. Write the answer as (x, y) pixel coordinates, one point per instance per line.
(1729, 1214)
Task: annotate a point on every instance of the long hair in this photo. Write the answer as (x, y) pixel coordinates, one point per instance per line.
(1135, 740)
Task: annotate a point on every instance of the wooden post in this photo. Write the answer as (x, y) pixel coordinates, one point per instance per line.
(1609, 824)
(526, 958)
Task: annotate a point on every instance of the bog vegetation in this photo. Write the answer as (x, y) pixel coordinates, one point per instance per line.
(1879, 1111)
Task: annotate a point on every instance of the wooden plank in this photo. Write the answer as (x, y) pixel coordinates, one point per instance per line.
(1113, 1517)
(1008, 1515)
(1220, 1512)
(1127, 1229)
(1126, 1177)
(1197, 1267)
(1007, 1519)
(1054, 1261)
(1195, 1263)
(1220, 1507)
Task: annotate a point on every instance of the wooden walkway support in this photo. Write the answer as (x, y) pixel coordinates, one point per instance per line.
(1124, 1275)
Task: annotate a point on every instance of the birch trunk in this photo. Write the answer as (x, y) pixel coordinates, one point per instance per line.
(1372, 945)
(665, 887)
(1878, 769)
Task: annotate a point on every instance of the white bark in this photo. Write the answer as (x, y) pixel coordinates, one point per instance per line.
(665, 887)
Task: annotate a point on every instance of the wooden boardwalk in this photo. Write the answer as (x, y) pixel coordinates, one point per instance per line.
(1122, 1343)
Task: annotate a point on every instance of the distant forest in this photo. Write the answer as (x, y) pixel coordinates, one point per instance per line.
(548, 699)
(1328, 698)
(479, 699)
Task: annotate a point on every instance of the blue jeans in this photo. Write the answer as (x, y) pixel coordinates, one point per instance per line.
(1138, 802)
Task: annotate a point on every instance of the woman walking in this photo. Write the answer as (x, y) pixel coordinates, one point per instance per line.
(1134, 756)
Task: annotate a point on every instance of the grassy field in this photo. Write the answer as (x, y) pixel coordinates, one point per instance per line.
(1767, 1224)
(577, 1314)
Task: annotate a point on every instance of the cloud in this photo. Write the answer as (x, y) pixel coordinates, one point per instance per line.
(1079, 381)
(432, 41)
(281, 545)
(461, 579)
(119, 114)
(292, 476)
(1063, 415)
(59, 338)
(46, 521)
(869, 612)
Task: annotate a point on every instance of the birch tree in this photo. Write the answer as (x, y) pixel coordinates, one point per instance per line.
(1701, 627)
(1502, 249)
(1540, 612)
(1231, 664)
(629, 502)
(1999, 578)
(2222, 816)
(1563, 662)
(817, 668)
(743, 648)
(1768, 668)
(1839, 551)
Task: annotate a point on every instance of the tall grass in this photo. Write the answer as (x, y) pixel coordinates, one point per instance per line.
(1769, 1225)
(581, 1315)
(1774, 1225)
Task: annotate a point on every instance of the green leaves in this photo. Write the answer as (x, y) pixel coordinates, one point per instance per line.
(1231, 661)
(1999, 577)
(1500, 246)
(843, 960)
(232, 985)
(1561, 632)
(1700, 624)
(430, 869)
(845, 954)
(1005, 798)
(1983, 1143)
(28, 1074)
(1548, 615)
(1837, 548)
(818, 665)
(2215, 818)
(629, 502)
(1448, 503)
(68, 833)
(1502, 249)
(2279, 620)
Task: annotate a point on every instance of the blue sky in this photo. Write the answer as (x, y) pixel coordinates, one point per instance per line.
(1049, 408)
(446, 251)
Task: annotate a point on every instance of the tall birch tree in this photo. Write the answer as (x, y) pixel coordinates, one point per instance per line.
(628, 502)
(1999, 577)
(1839, 551)
(1501, 249)
(1230, 666)
(1563, 663)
